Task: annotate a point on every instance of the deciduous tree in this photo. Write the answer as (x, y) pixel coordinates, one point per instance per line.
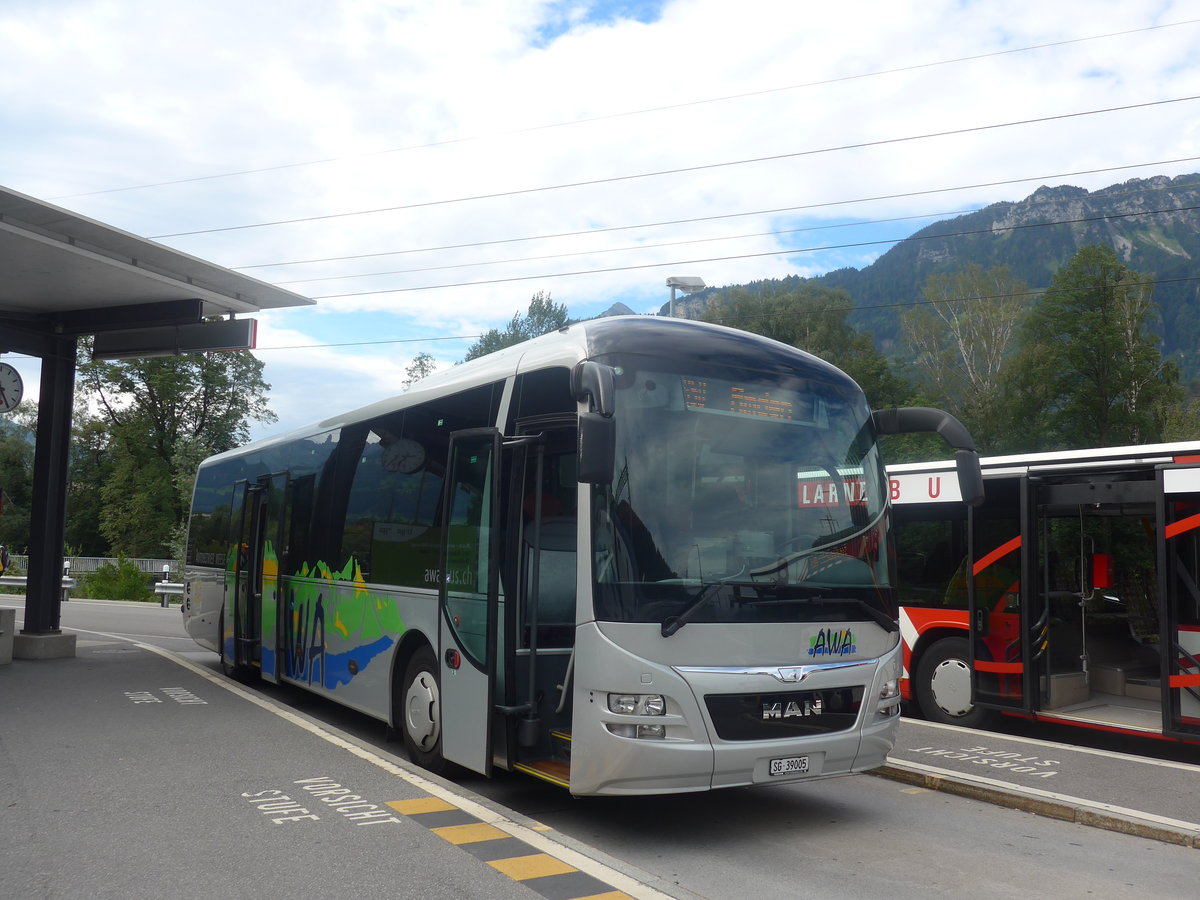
(544, 316)
(162, 416)
(962, 338)
(1090, 357)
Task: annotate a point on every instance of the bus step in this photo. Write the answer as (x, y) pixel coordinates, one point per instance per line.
(554, 771)
(562, 744)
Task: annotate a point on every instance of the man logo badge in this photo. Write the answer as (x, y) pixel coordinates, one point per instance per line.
(792, 709)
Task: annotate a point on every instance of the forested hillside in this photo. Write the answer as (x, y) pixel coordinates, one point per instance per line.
(1152, 224)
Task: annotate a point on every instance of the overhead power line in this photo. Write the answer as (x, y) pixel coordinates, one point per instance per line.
(630, 113)
(777, 252)
(1029, 294)
(707, 240)
(714, 218)
(682, 170)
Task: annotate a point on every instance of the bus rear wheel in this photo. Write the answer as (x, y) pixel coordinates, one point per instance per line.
(421, 711)
(943, 686)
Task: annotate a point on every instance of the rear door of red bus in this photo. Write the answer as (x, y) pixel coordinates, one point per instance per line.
(1179, 578)
(1004, 623)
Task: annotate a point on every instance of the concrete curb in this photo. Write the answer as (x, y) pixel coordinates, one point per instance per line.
(1068, 809)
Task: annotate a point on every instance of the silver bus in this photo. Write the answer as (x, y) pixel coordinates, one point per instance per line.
(637, 555)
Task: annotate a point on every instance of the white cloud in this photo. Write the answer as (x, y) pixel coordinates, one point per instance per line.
(412, 104)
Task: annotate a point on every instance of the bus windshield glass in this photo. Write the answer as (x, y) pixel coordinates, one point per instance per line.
(741, 495)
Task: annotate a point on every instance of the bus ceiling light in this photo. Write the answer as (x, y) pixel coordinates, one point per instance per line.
(637, 704)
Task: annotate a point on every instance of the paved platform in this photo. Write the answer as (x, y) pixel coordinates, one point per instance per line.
(129, 771)
(1150, 798)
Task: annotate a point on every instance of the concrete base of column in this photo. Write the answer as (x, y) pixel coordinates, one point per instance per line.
(43, 646)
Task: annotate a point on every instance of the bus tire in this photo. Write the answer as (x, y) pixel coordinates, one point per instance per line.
(420, 714)
(943, 689)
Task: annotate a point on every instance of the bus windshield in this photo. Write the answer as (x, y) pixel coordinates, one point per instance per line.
(741, 495)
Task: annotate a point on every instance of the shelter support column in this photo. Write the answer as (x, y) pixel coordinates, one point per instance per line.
(41, 637)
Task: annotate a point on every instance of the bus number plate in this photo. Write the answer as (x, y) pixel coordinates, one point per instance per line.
(790, 765)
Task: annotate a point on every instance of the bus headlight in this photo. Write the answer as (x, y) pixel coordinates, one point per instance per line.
(637, 704)
(644, 732)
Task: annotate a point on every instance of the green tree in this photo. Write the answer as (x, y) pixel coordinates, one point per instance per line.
(962, 338)
(162, 416)
(16, 475)
(544, 316)
(816, 319)
(421, 366)
(89, 469)
(1090, 364)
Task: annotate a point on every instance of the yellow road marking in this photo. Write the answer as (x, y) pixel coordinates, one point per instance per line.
(522, 868)
(421, 805)
(471, 834)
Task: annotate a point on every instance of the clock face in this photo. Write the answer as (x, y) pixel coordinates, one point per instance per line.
(11, 388)
(403, 455)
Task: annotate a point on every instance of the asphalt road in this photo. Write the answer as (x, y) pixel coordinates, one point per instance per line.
(858, 837)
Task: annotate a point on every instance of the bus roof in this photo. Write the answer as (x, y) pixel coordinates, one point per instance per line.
(1095, 458)
(653, 335)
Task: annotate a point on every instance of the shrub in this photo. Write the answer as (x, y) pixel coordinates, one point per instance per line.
(122, 581)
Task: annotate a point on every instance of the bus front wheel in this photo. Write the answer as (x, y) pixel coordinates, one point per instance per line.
(943, 686)
(421, 711)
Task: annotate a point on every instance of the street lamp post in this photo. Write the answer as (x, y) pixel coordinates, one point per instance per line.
(686, 284)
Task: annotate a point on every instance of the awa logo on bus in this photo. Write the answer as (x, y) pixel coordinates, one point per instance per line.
(830, 642)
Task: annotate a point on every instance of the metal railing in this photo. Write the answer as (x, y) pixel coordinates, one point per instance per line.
(85, 565)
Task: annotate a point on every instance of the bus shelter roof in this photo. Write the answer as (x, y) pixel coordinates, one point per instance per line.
(55, 264)
(64, 276)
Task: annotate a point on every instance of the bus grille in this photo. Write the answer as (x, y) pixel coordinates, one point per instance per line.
(762, 717)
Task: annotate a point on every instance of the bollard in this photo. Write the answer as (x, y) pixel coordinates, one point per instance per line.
(166, 599)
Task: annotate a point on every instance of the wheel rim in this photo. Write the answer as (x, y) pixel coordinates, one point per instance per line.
(421, 714)
(951, 687)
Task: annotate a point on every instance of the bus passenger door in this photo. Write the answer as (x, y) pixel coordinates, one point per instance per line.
(1005, 629)
(271, 553)
(469, 596)
(253, 617)
(1179, 593)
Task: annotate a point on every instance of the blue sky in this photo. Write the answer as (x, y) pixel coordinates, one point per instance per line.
(424, 168)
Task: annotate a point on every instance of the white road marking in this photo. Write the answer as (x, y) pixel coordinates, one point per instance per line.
(534, 838)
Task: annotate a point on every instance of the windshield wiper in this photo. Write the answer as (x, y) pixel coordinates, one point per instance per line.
(814, 595)
(672, 624)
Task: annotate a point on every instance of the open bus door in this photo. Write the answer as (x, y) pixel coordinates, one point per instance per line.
(250, 638)
(1007, 630)
(469, 596)
(271, 551)
(1179, 578)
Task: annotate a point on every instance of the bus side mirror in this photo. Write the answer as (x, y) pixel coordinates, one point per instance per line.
(595, 383)
(920, 419)
(970, 477)
(597, 448)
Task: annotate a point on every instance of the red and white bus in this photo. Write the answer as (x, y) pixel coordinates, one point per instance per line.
(1071, 594)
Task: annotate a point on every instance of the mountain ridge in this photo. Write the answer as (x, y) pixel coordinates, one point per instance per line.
(1153, 225)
